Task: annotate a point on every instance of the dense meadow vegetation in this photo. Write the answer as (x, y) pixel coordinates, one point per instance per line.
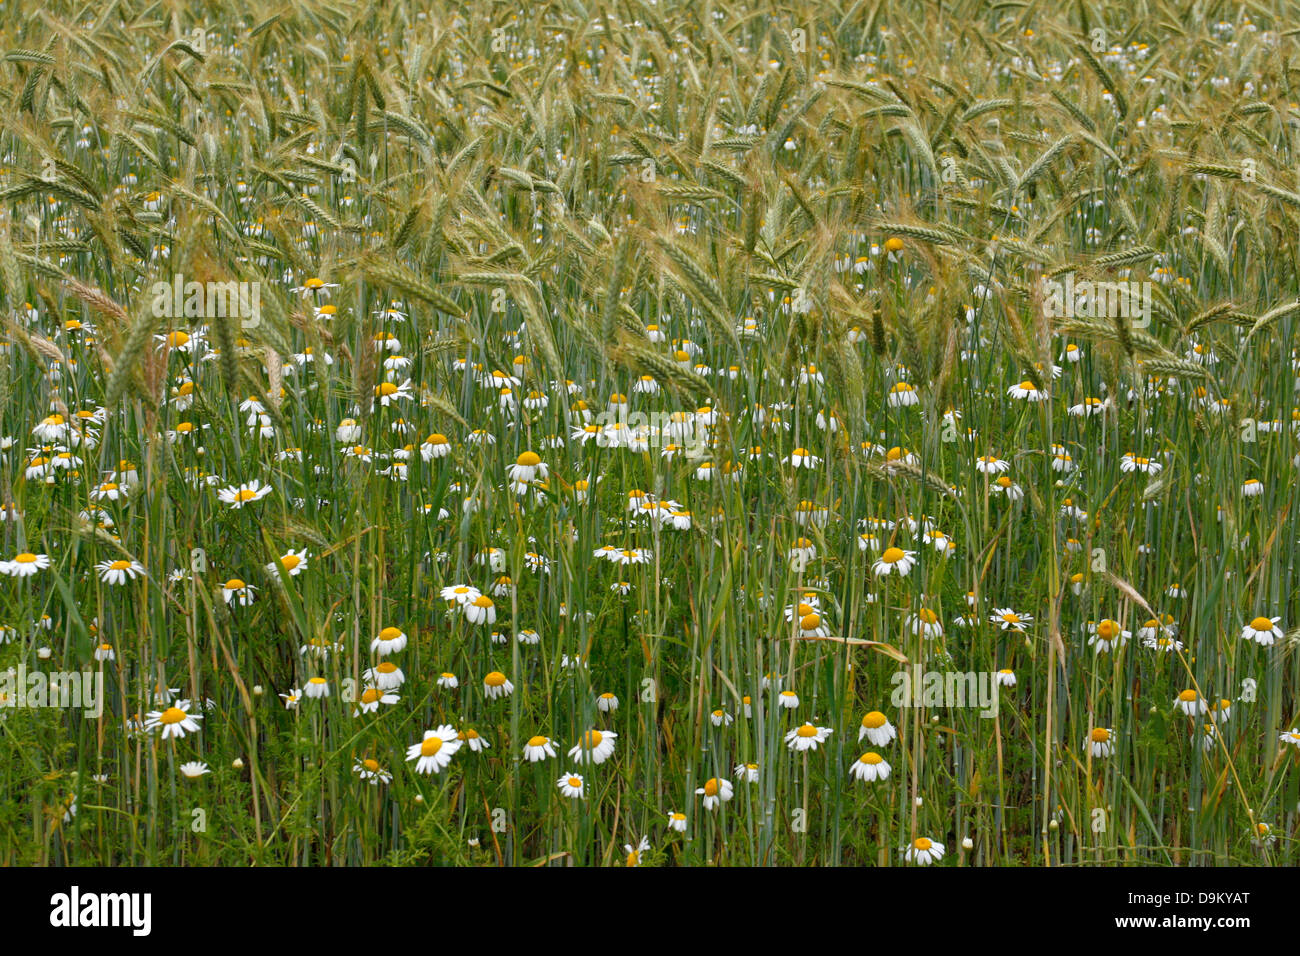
(660, 433)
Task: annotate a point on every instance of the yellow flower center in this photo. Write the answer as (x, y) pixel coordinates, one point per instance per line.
(874, 720)
(430, 746)
(172, 715)
(1261, 624)
(537, 741)
(892, 555)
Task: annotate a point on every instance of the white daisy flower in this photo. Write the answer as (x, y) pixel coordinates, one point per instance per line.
(539, 748)
(1263, 631)
(25, 564)
(434, 752)
(391, 640)
(571, 785)
(869, 768)
(924, 851)
(1101, 742)
(240, 495)
(877, 729)
(806, 737)
(175, 721)
(716, 791)
(894, 561)
(119, 572)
